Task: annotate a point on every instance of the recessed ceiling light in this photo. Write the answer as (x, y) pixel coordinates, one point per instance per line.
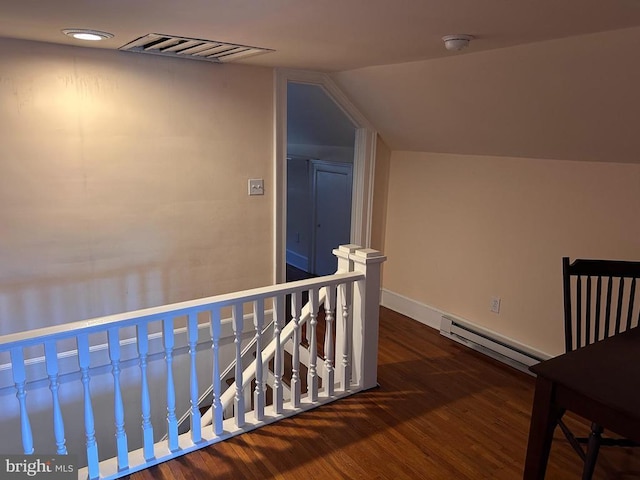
(84, 34)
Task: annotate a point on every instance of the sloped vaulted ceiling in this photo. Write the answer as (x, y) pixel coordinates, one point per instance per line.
(574, 98)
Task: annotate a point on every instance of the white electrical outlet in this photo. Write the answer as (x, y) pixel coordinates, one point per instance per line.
(495, 304)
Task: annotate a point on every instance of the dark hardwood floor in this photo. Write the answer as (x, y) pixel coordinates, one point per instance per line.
(442, 412)
(294, 274)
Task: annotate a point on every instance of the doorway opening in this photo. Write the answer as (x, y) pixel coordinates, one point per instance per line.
(310, 112)
(320, 150)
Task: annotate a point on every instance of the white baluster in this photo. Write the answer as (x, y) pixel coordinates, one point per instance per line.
(196, 433)
(89, 424)
(147, 427)
(51, 358)
(218, 412)
(296, 300)
(258, 394)
(278, 322)
(344, 293)
(344, 255)
(329, 309)
(172, 421)
(20, 380)
(118, 406)
(239, 400)
(312, 374)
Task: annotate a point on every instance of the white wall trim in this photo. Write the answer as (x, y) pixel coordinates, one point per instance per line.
(363, 178)
(279, 177)
(411, 308)
(331, 88)
(432, 316)
(298, 260)
(363, 162)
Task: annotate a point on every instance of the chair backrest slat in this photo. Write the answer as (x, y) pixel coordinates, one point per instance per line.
(596, 335)
(607, 318)
(589, 310)
(619, 308)
(579, 312)
(587, 318)
(632, 296)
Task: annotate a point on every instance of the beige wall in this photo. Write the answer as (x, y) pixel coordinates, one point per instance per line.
(461, 229)
(486, 216)
(380, 194)
(123, 181)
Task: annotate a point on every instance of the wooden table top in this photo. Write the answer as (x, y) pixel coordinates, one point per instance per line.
(607, 371)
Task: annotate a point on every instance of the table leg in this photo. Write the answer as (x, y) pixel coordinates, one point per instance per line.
(544, 419)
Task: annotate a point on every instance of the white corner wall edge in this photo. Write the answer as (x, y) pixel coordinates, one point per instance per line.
(486, 341)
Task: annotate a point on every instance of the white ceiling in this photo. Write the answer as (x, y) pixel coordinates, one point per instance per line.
(550, 79)
(324, 35)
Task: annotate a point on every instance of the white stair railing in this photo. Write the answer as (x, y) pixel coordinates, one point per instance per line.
(275, 351)
(156, 357)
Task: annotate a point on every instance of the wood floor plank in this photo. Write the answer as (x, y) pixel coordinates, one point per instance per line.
(442, 411)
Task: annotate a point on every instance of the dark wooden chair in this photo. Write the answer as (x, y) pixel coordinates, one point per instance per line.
(600, 300)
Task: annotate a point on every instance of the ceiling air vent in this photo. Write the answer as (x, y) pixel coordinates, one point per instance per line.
(183, 47)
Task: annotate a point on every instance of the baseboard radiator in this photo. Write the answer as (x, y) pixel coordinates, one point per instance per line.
(489, 343)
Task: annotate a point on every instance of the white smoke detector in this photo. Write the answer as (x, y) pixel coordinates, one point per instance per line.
(456, 42)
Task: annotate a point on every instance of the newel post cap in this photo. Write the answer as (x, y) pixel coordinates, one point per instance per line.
(345, 251)
(368, 256)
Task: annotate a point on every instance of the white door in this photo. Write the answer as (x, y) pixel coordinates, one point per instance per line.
(331, 189)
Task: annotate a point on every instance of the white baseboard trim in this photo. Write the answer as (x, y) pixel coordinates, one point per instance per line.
(433, 318)
(298, 260)
(411, 308)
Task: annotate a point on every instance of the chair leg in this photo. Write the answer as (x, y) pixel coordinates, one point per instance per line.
(592, 451)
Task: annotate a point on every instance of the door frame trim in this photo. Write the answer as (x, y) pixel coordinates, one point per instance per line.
(363, 163)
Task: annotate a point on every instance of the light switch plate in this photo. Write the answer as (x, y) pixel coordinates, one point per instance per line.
(495, 304)
(256, 186)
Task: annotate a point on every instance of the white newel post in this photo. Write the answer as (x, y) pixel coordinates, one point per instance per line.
(366, 312)
(344, 252)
